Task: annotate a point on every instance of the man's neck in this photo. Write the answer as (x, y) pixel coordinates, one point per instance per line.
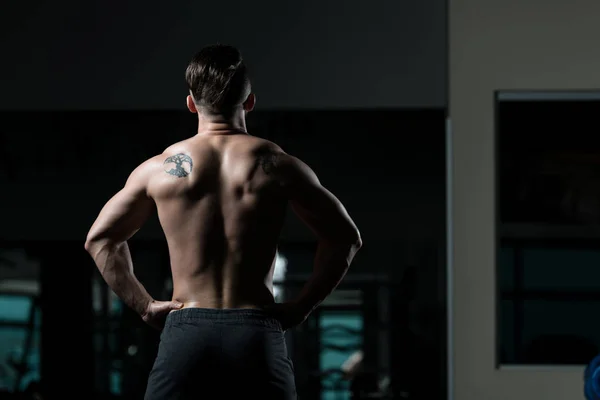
(218, 124)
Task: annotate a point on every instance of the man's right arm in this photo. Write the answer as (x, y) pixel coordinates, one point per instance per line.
(338, 236)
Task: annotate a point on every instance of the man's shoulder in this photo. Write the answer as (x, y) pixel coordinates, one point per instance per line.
(257, 144)
(140, 177)
(148, 168)
(173, 154)
(275, 161)
(263, 148)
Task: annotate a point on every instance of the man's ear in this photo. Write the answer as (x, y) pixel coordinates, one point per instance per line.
(191, 105)
(250, 103)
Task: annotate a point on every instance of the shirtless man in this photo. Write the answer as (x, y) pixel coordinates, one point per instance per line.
(221, 198)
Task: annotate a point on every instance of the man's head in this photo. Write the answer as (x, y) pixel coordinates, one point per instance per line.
(218, 82)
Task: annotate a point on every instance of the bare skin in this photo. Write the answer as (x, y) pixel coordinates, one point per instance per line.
(222, 221)
(221, 198)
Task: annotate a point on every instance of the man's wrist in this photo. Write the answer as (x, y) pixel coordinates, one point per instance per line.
(144, 309)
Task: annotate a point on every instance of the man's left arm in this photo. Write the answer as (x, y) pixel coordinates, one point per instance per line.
(119, 220)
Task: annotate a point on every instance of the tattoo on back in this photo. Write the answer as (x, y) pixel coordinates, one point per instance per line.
(268, 162)
(179, 165)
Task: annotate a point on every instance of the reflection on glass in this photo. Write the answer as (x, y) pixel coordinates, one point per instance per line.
(341, 339)
(20, 363)
(548, 227)
(20, 320)
(546, 313)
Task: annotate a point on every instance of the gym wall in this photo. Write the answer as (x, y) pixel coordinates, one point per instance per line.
(503, 45)
(311, 54)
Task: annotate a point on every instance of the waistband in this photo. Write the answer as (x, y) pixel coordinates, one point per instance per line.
(232, 315)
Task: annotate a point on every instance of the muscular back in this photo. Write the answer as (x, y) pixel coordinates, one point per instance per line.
(222, 211)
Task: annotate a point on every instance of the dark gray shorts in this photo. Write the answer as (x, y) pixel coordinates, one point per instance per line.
(221, 354)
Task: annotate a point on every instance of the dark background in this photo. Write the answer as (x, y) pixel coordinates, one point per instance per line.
(549, 162)
(386, 166)
(312, 55)
(92, 89)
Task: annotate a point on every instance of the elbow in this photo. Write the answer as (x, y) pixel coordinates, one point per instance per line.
(353, 237)
(91, 242)
(356, 242)
(94, 245)
(90, 246)
(350, 239)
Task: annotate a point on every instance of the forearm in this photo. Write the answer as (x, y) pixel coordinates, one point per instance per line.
(330, 266)
(115, 264)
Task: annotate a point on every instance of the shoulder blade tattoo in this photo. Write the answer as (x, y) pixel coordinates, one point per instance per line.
(179, 165)
(268, 162)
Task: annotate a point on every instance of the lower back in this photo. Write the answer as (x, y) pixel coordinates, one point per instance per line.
(222, 286)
